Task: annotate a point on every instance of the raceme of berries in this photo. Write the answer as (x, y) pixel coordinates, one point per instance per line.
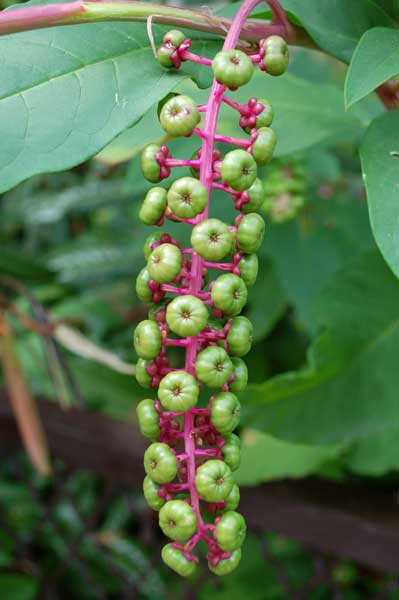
(194, 452)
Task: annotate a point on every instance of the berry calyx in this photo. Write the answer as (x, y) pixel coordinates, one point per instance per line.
(276, 56)
(179, 116)
(212, 239)
(186, 315)
(178, 391)
(239, 170)
(164, 263)
(187, 197)
(232, 68)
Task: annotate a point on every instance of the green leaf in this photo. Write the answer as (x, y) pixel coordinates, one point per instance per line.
(266, 299)
(22, 266)
(74, 89)
(337, 26)
(309, 250)
(264, 458)
(375, 60)
(381, 175)
(375, 455)
(348, 390)
(17, 587)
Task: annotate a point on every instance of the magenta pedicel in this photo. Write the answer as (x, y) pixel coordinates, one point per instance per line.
(194, 452)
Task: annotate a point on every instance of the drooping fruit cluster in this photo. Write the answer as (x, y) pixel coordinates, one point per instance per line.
(190, 462)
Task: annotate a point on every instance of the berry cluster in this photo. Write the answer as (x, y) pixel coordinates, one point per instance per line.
(193, 454)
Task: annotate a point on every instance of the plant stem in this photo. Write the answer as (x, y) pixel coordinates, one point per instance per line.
(78, 12)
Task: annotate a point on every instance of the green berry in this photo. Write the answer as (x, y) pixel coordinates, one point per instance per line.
(256, 197)
(239, 336)
(153, 238)
(229, 293)
(187, 197)
(147, 339)
(177, 520)
(186, 315)
(148, 419)
(164, 55)
(265, 118)
(178, 391)
(263, 146)
(150, 489)
(233, 499)
(232, 451)
(179, 116)
(153, 206)
(232, 68)
(249, 266)
(213, 366)
(164, 263)
(212, 239)
(142, 376)
(250, 233)
(230, 531)
(172, 40)
(160, 463)
(239, 170)
(175, 559)
(225, 412)
(150, 167)
(241, 375)
(214, 481)
(142, 290)
(226, 566)
(276, 55)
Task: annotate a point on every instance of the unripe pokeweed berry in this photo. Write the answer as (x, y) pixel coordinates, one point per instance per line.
(249, 266)
(187, 197)
(233, 68)
(160, 463)
(276, 55)
(148, 419)
(142, 376)
(186, 315)
(226, 566)
(263, 146)
(142, 290)
(179, 116)
(213, 366)
(229, 293)
(225, 412)
(175, 559)
(147, 339)
(230, 531)
(171, 40)
(212, 239)
(150, 489)
(153, 238)
(214, 480)
(177, 520)
(233, 499)
(256, 195)
(239, 336)
(178, 391)
(239, 170)
(232, 451)
(164, 263)
(150, 167)
(241, 375)
(250, 233)
(265, 118)
(153, 206)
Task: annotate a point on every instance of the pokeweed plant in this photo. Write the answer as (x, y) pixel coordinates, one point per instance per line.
(189, 465)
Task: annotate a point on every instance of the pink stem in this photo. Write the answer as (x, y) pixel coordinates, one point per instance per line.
(179, 342)
(201, 60)
(233, 104)
(177, 162)
(220, 266)
(197, 265)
